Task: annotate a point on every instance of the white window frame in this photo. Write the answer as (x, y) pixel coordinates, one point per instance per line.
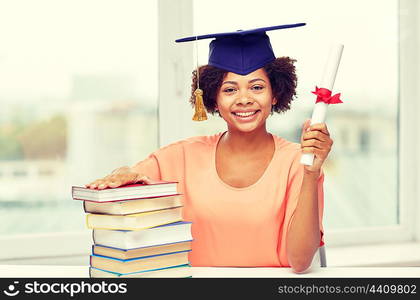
(408, 146)
(175, 65)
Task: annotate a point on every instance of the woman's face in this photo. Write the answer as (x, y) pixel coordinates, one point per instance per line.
(244, 101)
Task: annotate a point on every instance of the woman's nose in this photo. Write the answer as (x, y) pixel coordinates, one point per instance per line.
(245, 98)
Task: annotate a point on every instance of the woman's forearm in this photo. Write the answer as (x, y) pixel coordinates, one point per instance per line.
(304, 234)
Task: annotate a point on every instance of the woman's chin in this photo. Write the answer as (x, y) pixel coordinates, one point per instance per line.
(246, 127)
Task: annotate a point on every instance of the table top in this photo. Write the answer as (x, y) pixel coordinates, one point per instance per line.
(53, 271)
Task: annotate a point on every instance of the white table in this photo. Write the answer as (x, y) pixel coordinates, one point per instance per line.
(47, 271)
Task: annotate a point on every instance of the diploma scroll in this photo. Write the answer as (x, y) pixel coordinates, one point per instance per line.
(320, 110)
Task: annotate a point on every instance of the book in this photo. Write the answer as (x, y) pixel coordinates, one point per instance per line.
(126, 192)
(181, 271)
(127, 239)
(132, 206)
(139, 252)
(134, 221)
(139, 264)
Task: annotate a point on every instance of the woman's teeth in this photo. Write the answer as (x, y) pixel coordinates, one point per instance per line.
(247, 114)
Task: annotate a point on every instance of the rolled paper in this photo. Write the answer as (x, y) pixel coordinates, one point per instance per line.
(324, 97)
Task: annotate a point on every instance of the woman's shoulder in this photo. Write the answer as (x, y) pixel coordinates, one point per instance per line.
(194, 142)
(208, 140)
(290, 153)
(286, 145)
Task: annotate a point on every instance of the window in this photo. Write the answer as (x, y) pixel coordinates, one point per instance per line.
(79, 98)
(76, 104)
(364, 140)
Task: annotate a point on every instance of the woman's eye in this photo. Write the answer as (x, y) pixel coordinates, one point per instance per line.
(257, 87)
(229, 90)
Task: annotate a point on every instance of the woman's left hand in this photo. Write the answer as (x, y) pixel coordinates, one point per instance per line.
(316, 139)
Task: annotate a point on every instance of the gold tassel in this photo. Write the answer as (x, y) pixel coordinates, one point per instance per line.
(200, 111)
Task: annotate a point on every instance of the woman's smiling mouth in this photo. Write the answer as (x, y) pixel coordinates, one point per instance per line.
(246, 116)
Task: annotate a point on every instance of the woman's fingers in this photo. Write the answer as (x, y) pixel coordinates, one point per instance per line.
(115, 183)
(305, 127)
(316, 131)
(315, 134)
(316, 143)
(102, 184)
(93, 184)
(144, 179)
(117, 179)
(320, 127)
(316, 139)
(321, 153)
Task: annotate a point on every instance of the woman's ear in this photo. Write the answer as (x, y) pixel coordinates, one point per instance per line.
(274, 101)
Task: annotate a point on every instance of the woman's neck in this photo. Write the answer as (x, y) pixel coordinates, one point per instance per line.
(246, 142)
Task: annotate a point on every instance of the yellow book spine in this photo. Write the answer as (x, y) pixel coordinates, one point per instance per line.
(143, 213)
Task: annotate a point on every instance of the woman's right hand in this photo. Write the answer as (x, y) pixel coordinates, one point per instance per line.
(119, 177)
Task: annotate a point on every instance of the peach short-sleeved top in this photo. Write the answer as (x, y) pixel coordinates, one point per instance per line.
(238, 227)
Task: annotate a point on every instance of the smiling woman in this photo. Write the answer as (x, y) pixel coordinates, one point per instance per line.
(355, 160)
(245, 102)
(250, 201)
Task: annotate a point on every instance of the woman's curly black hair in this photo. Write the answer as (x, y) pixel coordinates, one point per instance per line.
(281, 73)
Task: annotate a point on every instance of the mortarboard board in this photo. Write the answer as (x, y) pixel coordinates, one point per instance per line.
(240, 52)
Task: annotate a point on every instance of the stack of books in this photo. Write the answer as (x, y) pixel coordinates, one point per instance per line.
(137, 231)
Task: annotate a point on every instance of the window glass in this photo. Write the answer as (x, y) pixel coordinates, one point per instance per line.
(79, 99)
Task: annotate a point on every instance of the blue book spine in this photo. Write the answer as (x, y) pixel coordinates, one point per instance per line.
(122, 274)
(141, 247)
(138, 258)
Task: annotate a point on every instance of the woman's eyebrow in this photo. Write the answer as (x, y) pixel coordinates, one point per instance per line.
(256, 79)
(230, 82)
(251, 81)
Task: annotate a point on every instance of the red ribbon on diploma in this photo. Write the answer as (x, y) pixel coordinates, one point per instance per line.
(324, 95)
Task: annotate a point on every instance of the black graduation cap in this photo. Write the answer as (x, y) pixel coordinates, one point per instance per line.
(242, 51)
